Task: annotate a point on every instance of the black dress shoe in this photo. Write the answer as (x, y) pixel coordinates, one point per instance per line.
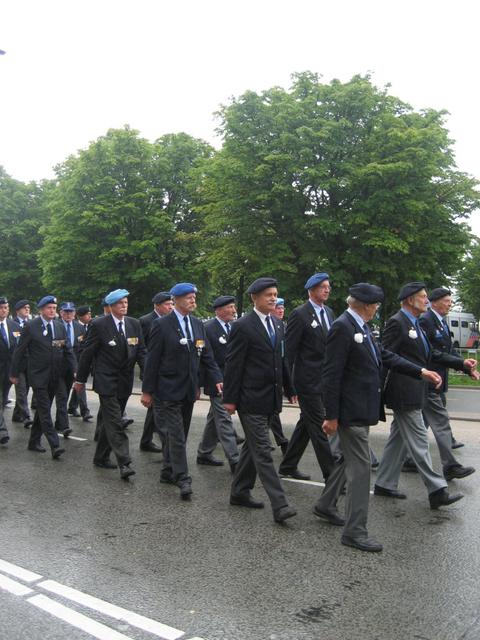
(105, 464)
(409, 467)
(209, 461)
(28, 423)
(88, 418)
(164, 479)
(16, 418)
(126, 471)
(126, 422)
(284, 447)
(364, 544)
(458, 471)
(36, 447)
(296, 473)
(442, 498)
(57, 452)
(74, 413)
(374, 466)
(186, 491)
(332, 517)
(456, 444)
(246, 501)
(4, 440)
(66, 432)
(282, 514)
(389, 493)
(152, 447)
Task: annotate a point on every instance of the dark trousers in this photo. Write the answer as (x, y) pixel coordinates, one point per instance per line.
(61, 401)
(275, 425)
(42, 421)
(21, 412)
(309, 427)
(256, 457)
(153, 424)
(111, 435)
(177, 416)
(79, 400)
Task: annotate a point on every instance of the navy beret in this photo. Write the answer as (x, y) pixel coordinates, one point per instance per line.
(317, 278)
(20, 304)
(46, 300)
(83, 310)
(260, 284)
(183, 289)
(440, 292)
(115, 296)
(67, 306)
(161, 296)
(366, 292)
(280, 301)
(222, 301)
(410, 289)
(3, 300)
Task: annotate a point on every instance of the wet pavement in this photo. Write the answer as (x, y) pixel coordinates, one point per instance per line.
(206, 570)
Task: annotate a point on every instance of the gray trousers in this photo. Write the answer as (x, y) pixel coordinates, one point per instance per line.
(3, 424)
(111, 434)
(355, 470)
(21, 412)
(219, 428)
(256, 457)
(408, 434)
(436, 417)
(176, 416)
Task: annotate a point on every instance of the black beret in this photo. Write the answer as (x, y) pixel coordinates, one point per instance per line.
(260, 284)
(410, 289)
(440, 292)
(222, 301)
(20, 304)
(3, 300)
(83, 310)
(161, 296)
(367, 293)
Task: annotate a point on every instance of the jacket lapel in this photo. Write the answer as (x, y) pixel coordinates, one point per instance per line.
(258, 324)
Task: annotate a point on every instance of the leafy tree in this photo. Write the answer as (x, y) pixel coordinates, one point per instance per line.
(469, 281)
(120, 217)
(338, 177)
(21, 215)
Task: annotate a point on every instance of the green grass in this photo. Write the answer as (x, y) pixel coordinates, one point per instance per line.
(461, 379)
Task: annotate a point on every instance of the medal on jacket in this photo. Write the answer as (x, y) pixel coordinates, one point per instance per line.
(314, 324)
(199, 344)
(413, 334)
(222, 340)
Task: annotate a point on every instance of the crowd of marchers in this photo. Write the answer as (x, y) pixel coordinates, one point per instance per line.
(340, 374)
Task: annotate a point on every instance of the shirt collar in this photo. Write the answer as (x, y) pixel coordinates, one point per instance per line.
(410, 316)
(261, 315)
(358, 319)
(317, 307)
(440, 318)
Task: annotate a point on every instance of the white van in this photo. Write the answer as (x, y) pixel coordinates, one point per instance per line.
(463, 329)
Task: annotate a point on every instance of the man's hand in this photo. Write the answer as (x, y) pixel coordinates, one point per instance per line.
(13, 380)
(330, 426)
(293, 399)
(231, 408)
(470, 363)
(79, 386)
(147, 400)
(474, 374)
(219, 388)
(433, 377)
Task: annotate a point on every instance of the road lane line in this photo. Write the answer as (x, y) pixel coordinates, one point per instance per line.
(18, 589)
(94, 628)
(73, 438)
(136, 620)
(312, 482)
(18, 572)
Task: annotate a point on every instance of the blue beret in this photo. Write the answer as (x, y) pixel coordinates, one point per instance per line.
(21, 303)
(410, 289)
(367, 293)
(183, 289)
(115, 296)
(260, 284)
(67, 306)
(317, 278)
(3, 300)
(46, 300)
(222, 301)
(440, 292)
(280, 301)
(161, 296)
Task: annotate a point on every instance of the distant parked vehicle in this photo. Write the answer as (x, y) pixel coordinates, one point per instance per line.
(463, 329)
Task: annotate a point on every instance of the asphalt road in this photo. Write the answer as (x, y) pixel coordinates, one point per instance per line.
(156, 567)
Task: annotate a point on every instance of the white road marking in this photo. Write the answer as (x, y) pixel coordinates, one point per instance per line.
(18, 572)
(7, 584)
(136, 620)
(73, 438)
(312, 482)
(94, 628)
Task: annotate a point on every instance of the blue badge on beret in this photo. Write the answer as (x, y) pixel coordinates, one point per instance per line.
(222, 301)
(67, 306)
(366, 292)
(46, 300)
(115, 296)
(280, 301)
(161, 296)
(260, 284)
(183, 289)
(317, 278)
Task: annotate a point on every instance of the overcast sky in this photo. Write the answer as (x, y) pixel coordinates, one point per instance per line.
(74, 69)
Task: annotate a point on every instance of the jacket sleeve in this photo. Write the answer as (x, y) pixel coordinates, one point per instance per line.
(392, 335)
(89, 350)
(20, 353)
(336, 355)
(293, 335)
(237, 348)
(152, 359)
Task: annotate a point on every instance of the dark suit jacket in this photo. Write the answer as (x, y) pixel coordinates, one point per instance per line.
(255, 371)
(172, 368)
(440, 340)
(112, 357)
(305, 348)
(352, 375)
(47, 359)
(78, 337)
(146, 322)
(6, 352)
(217, 339)
(402, 393)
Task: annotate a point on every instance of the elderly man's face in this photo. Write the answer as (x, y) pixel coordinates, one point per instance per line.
(49, 311)
(443, 305)
(120, 308)
(320, 293)
(23, 312)
(186, 304)
(164, 308)
(265, 300)
(4, 309)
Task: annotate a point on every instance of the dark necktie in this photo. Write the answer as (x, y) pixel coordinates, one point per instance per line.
(422, 336)
(323, 322)
(366, 328)
(120, 330)
(227, 328)
(188, 335)
(271, 331)
(49, 330)
(446, 330)
(4, 334)
(69, 334)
